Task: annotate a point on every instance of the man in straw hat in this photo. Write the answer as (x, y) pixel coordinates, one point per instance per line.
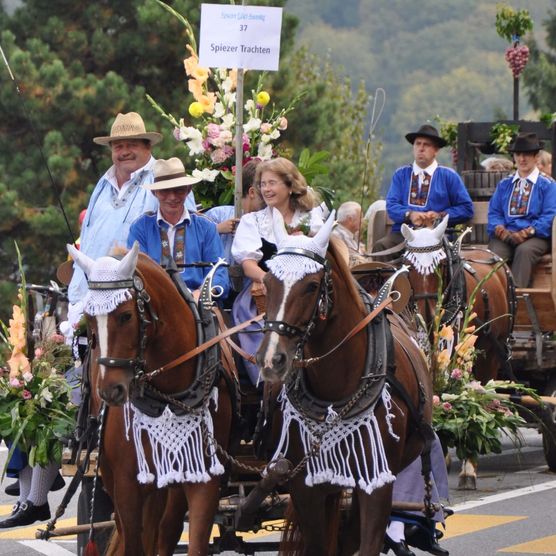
(118, 198)
(423, 192)
(521, 211)
(172, 232)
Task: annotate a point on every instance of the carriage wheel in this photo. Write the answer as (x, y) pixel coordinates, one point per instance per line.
(103, 512)
(549, 427)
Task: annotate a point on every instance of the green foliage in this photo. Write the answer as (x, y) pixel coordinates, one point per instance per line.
(512, 24)
(448, 131)
(502, 136)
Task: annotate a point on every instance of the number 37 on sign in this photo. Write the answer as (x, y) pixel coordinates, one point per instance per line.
(245, 37)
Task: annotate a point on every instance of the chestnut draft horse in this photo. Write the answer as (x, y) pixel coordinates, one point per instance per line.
(462, 271)
(140, 322)
(339, 421)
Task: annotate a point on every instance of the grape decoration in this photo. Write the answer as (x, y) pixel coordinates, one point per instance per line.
(517, 57)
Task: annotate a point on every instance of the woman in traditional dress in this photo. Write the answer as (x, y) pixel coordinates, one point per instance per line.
(282, 188)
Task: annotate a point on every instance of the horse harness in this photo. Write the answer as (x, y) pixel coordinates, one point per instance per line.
(379, 367)
(207, 372)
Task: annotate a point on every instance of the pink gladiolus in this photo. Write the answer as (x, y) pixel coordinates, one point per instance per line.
(435, 400)
(26, 395)
(14, 382)
(447, 406)
(456, 374)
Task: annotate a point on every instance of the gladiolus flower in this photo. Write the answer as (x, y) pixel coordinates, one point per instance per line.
(443, 359)
(435, 400)
(26, 395)
(263, 98)
(200, 74)
(190, 64)
(252, 125)
(266, 127)
(283, 124)
(195, 88)
(456, 374)
(14, 382)
(207, 102)
(196, 109)
(27, 377)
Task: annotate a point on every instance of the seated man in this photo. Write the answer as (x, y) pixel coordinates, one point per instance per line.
(174, 232)
(521, 211)
(348, 229)
(424, 191)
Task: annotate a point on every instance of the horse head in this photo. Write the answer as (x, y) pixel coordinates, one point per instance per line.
(297, 294)
(113, 319)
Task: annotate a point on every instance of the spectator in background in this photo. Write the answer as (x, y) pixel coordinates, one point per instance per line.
(223, 216)
(544, 164)
(497, 164)
(348, 229)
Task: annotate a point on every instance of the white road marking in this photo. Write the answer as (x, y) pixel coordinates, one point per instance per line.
(541, 487)
(47, 548)
(102, 326)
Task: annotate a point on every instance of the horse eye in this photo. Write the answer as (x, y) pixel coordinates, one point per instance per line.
(311, 287)
(124, 317)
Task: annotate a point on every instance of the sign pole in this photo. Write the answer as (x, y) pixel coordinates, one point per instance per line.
(239, 145)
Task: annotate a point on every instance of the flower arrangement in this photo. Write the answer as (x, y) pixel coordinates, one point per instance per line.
(35, 407)
(467, 415)
(209, 131)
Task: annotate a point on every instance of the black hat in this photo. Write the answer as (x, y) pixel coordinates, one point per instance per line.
(526, 143)
(428, 131)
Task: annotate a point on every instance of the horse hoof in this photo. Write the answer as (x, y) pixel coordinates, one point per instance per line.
(467, 483)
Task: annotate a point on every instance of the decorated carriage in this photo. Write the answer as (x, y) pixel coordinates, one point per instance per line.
(531, 350)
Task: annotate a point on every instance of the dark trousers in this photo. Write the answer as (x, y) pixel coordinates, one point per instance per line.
(387, 242)
(522, 257)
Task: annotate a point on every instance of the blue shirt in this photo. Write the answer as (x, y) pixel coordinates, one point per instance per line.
(447, 194)
(106, 226)
(219, 215)
(202, 244)
(539, 213)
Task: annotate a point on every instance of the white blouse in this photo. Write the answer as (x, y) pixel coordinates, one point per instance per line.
(256, 226)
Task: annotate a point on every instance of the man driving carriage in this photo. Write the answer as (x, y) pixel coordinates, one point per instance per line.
(422, 192)
(521, 211)
(173, 232)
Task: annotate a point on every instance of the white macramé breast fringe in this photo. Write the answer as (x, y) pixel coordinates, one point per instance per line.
(425, 263)
(343, 458)
(177, 443)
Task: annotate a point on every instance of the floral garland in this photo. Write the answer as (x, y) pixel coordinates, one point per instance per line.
(467, 415)
(209, 135)
(35, 407)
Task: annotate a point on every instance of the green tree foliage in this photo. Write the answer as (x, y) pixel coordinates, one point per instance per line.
(79, 64)
(445, 51)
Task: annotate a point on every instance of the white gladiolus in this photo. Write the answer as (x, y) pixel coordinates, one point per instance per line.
(264, 151)
(206, 174)
(194, 139)
(229, 99)
(228, 121)
(250, 106)
(252, 125)
(219, 110)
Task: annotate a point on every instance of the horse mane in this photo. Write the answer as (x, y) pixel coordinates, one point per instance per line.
(341, 266)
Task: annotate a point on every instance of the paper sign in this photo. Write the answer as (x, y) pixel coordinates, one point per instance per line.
(240, 37)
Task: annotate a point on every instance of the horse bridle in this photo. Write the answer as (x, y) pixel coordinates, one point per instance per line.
(142, 303)
(322, 307)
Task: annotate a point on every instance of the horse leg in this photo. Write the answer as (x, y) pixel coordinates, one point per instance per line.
(152, 510)
(128, 499)
(171, 525)
(202, 501)
(468, 475)
(313, 515)
(374, 513)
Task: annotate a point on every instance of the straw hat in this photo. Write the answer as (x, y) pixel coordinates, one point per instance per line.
(169, 174)
(129, 126)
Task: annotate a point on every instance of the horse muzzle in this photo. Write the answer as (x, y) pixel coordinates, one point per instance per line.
(114, 394)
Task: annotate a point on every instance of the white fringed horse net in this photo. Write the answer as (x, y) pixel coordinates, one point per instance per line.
(177, 443)
(351, 450)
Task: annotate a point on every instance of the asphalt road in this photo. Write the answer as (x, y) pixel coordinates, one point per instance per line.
(511, 512)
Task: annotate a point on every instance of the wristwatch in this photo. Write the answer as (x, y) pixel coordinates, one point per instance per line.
(531, 231)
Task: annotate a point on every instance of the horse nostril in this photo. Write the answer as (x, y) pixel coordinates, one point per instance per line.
(278, 359)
